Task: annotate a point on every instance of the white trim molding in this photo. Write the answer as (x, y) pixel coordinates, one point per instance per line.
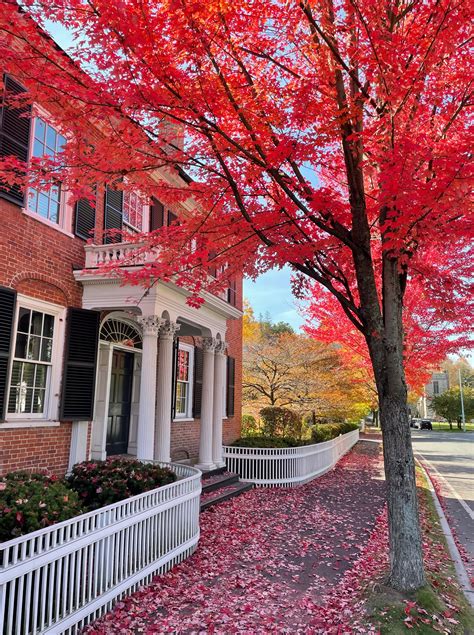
(49, 416)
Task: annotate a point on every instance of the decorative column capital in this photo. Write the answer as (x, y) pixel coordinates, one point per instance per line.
(168, 329)
(209, 344)
(221, 347)
(150, 324)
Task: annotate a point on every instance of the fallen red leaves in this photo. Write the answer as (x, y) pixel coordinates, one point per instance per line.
(273, 561)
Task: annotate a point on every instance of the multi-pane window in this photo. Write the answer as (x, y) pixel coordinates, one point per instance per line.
(47, 142)
(133, 204)
(184, 372)
(31, 369)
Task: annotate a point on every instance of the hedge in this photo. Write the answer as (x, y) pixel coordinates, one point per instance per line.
(33, 501)
(328, 431)
(100, 483)
(320, 433)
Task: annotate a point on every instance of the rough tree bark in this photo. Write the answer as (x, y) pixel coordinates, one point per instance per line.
(406, 556)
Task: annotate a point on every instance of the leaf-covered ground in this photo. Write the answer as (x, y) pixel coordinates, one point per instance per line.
(275, 560)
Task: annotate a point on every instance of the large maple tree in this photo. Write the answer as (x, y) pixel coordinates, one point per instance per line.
(331, 136)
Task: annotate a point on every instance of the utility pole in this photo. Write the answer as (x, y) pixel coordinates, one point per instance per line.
(462, 401)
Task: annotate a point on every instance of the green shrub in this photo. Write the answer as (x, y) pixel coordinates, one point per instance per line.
(281, 422)
(249, 425)
(100, 483)
(33, 501)
(261, 441)
(328, 431)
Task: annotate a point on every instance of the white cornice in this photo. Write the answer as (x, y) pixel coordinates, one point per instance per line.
(211, 302)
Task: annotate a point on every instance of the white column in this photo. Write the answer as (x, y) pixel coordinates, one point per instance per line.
(218, 410)
(207, 405)
(163, 397)
(146, 410)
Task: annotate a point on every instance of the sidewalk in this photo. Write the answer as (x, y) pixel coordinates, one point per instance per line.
(267, 561)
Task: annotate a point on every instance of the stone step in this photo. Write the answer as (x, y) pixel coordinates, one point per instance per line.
(211, 483)
(224, 494)
(215, 472)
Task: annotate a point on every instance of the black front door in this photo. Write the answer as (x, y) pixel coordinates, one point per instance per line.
(120, 400)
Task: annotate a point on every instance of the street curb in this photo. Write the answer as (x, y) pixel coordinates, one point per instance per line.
(461, 572)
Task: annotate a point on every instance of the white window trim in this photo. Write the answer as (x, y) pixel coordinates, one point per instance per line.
(145, 211)
(66, 208)
(188, 415)
(50, 415)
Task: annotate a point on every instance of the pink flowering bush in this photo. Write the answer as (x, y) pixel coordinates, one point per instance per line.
(33, 501)
(100, 483)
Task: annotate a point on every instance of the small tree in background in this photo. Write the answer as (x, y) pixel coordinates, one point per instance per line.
(448, 404)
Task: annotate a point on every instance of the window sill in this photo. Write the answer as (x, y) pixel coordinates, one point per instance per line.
(29, 423)
(47, 222)
(179, 419)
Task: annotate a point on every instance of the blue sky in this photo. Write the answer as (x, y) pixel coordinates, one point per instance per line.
(271, 292)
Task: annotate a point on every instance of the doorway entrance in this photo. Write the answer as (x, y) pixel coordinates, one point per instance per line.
(120, 401)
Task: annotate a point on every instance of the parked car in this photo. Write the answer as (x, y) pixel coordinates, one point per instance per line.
(426, 424)
(415, 423)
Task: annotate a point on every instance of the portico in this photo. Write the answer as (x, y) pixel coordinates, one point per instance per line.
(161, 368)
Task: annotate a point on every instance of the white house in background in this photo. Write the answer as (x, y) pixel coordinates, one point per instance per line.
(438, 384)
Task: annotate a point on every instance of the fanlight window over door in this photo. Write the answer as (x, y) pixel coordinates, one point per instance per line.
(122, 333)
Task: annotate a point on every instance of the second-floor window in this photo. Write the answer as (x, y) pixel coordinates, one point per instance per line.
(133, 206)
(46, 142)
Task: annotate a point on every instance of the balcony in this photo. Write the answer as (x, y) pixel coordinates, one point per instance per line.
(130, 255)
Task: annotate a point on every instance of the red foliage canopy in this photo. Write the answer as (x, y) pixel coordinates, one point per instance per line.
(256, 90)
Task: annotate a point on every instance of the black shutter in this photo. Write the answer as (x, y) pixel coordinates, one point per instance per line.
(113, 213)
(7, 316)
(82, 340)
(232, 292)
(230, 386)
(157, 210)
(212, 269)
(171, 217)
(14, 135)
(84, 223)
(197, 390)
(175, 378)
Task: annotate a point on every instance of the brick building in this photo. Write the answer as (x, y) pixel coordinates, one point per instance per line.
(88, 367)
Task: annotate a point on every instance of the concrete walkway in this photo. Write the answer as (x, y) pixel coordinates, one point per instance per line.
(265, 559)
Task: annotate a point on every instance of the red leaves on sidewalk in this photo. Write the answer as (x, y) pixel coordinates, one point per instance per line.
(281, 560)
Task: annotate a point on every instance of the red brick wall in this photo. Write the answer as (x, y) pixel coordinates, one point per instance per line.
(35, 448)
(37, 261)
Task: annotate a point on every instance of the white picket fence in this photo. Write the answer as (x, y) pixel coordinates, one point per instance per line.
(58, 579)
(287, 467)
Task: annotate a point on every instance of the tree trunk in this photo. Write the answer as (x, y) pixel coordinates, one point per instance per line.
(406, 555)
(406, 560)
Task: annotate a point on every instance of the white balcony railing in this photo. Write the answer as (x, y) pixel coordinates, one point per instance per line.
(56, 580)
(287, 467)
(128, 253)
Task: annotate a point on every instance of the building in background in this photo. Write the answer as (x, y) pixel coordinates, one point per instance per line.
(438, 384)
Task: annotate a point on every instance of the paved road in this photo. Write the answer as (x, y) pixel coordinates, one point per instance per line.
(450, 458)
